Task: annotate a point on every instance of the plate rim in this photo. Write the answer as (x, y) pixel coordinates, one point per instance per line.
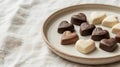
(54, 49)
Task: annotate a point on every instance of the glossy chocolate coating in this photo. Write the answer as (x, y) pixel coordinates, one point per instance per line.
(78, 19)
(65, 26)
(86, 29)
(99, 34)
(108, 45)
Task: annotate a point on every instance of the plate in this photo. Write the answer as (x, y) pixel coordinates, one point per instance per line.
(52, 37)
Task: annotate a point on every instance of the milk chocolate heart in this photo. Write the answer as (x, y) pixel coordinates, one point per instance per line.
(99, 33)
(65, 26)
(78, 19)
(69, 38)
(86, 29)
(108, 45)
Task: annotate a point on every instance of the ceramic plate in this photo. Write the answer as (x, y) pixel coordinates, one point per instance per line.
(52, 37)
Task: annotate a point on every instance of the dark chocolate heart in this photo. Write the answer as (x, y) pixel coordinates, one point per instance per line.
(99, 33)
(78, 19)
(69, 38)
(117, 37)
(108, 45)
(65, 26)
(86, 29)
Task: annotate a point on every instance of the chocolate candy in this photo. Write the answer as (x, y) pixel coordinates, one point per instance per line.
(85, 46)
(78, 19)
(108, 45)
(69, 38)
(117, 37)
(65, 26)
(110, 21)
(86, 29)
(99, 33)
(97, 17)
(116, 28)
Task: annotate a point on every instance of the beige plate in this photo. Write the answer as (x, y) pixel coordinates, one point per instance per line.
(52, 37)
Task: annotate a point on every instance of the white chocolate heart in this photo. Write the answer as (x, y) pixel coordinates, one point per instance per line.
(97, 17)
(110, 21)
(116, 28)
(85, 46)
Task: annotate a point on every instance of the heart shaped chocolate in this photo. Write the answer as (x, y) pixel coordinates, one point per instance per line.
(86, 29)
(108, 45)
(85, 46)
(78, 19)
(65, 26)
(117, 37)
(99, 33)
(69, 38)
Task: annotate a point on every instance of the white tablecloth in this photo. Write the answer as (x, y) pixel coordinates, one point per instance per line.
(21, 44)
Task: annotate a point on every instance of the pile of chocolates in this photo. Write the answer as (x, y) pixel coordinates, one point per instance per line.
(69, 36)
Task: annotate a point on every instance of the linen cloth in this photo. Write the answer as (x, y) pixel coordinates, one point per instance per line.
(21, 43)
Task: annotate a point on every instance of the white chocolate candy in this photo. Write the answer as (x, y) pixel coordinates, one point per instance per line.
(97, 17)
(85, 46)
(110, 21)
(116, 28)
